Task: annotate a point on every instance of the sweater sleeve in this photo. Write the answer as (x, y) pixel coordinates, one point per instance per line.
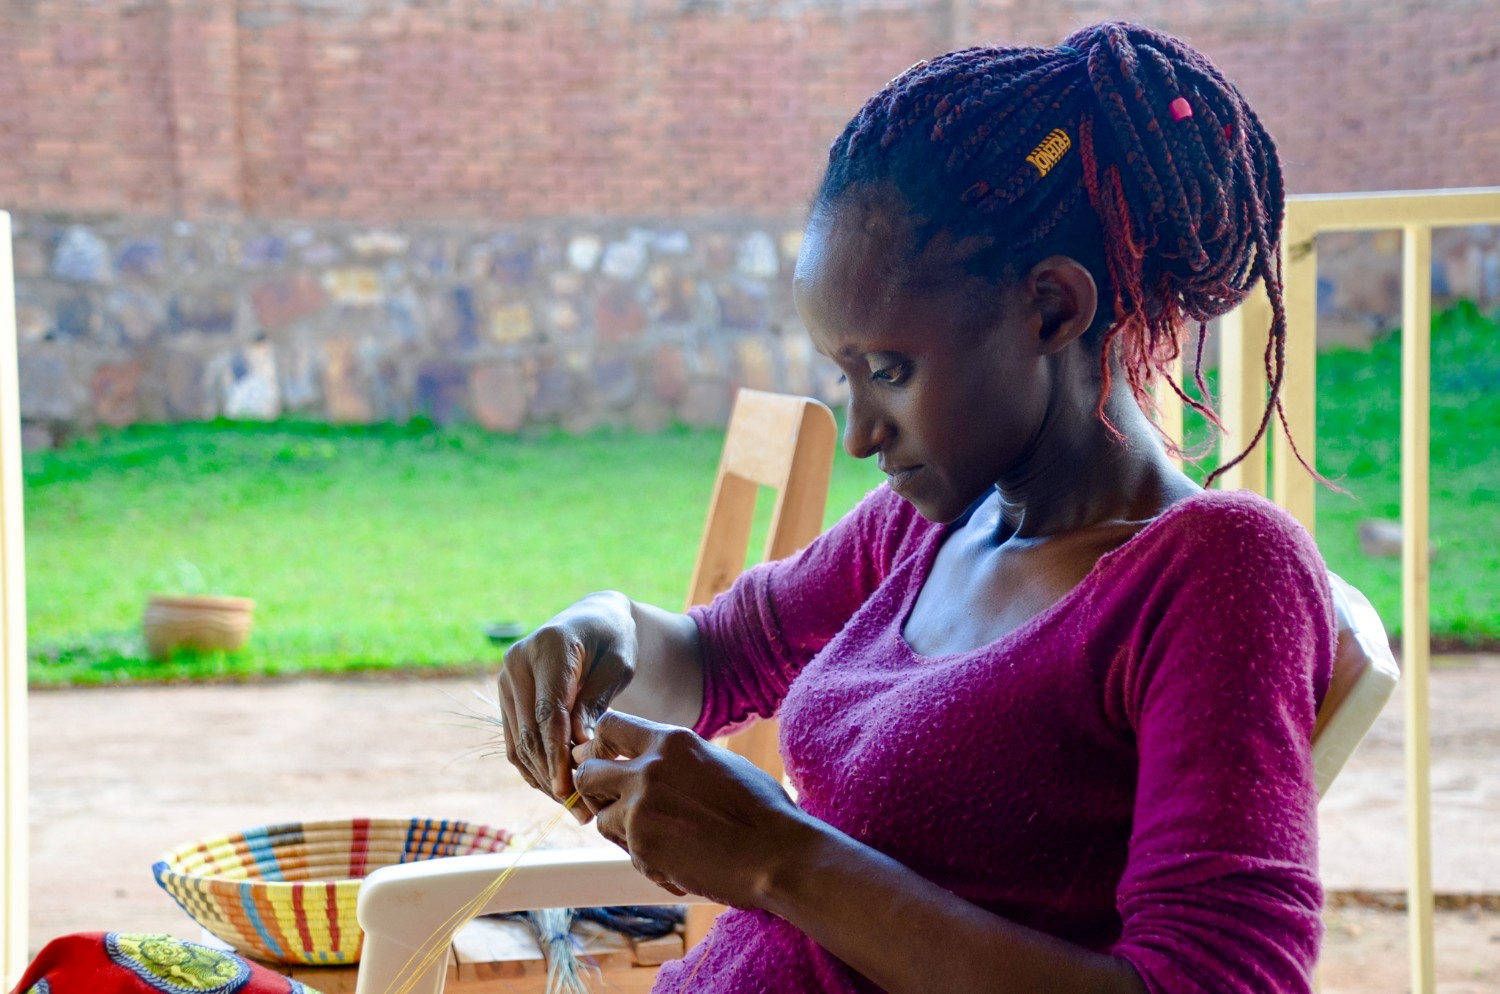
(756, 636)
(1228, 658)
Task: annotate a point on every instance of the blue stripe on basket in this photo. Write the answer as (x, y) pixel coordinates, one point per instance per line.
(247, 901)
(416, 839)
(263, 850)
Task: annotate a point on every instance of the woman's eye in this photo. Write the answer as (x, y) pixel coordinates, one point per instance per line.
(843, 379)
(891, 374)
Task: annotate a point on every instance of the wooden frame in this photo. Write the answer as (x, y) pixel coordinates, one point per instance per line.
(13, 830)
(1243, 387)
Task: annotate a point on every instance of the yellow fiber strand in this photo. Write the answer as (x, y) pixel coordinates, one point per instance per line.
(708, 947)
(436, 945)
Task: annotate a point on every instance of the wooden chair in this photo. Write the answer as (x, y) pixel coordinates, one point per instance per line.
(401, 906)
(1364, 677)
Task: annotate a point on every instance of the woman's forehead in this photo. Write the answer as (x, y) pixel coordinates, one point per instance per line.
(848, 269)
(869, 250)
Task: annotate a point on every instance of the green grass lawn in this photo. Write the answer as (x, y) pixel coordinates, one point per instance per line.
(1359, 447)
(370, 548)
(364, 548)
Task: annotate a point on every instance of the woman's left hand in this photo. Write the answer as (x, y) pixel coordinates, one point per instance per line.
(695, 818)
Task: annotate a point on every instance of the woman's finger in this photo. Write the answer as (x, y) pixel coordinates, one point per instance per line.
(552, 708)
(604, 679)
(601, 782)
(510, 726)
(617, 734)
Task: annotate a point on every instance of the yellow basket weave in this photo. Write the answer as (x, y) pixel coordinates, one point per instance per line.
(287, 893)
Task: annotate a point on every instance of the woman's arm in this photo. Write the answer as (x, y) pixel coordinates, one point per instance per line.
(701, 820)
(715, 667)
(906, 934)
(668, 683)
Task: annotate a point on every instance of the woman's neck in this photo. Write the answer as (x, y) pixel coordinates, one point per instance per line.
(1080, 474)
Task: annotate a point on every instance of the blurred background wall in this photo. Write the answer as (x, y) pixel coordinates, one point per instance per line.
(573, 212)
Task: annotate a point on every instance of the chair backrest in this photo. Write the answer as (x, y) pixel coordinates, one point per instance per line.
(786, 444)
(777, 441)
(1364, 676)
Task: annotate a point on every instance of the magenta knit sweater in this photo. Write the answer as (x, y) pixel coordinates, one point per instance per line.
(1130, 770)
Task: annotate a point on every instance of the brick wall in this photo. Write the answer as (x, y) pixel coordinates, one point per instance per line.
(571, 211)
(516, 109)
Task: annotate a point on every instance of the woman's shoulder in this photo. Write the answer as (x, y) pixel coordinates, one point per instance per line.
(1216, 534)
(1214, 517)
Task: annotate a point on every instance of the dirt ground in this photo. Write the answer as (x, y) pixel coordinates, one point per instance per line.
(121, 775)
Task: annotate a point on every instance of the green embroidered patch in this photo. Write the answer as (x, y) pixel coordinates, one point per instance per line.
(176, 967)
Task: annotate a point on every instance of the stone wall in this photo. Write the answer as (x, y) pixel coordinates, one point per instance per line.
(566, 323)
(570, 324)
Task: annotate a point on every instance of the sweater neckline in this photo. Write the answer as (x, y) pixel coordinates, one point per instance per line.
(928, 554)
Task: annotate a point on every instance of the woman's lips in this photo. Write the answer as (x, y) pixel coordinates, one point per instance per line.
(899, 478)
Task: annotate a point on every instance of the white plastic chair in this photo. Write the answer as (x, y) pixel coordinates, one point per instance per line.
(401, 907)
(1364, 677)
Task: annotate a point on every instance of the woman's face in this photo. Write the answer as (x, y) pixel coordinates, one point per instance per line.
(948, 386)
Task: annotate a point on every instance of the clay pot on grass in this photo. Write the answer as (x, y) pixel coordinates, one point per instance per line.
(196, 622)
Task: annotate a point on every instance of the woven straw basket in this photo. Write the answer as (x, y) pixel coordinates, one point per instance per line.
(287, 893)
(196, 622)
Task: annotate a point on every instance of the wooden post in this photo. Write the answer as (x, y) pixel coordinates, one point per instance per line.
(13, 840)
(1416, 335)
(1292, 486)
(1242, 389)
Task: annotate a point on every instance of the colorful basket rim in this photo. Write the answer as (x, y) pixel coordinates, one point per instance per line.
(288, 892)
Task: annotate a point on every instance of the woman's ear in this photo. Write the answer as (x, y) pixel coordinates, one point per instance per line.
(1065, 296)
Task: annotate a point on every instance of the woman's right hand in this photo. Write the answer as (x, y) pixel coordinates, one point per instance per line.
(558, 680)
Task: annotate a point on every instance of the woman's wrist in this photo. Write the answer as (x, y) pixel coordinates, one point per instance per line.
(809, 851)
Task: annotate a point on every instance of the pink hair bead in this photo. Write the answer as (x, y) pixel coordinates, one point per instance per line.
(1181, 109)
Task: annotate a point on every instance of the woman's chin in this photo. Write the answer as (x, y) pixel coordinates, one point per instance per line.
(940, 509)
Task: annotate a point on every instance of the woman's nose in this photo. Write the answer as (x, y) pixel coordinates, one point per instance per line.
(864, 430)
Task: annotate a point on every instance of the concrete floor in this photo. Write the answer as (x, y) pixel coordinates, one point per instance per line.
(121, 775)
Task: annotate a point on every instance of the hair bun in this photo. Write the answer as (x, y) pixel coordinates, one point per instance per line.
(1192, 159)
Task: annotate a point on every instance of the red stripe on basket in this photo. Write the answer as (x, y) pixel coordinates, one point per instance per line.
(359, 847)
(299, 906)
(487, 840)
(333, 917)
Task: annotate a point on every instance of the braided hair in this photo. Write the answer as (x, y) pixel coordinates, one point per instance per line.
(1123, 148)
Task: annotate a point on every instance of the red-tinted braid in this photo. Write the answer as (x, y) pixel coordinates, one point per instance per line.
(1190, 209)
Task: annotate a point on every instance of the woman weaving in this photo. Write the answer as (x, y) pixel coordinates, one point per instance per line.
(1046, 703)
